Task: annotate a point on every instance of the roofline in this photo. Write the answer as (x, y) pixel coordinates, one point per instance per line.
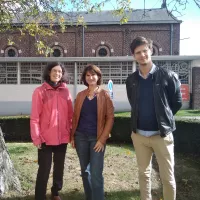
(114, 23)
(95, 59)
(137, 22)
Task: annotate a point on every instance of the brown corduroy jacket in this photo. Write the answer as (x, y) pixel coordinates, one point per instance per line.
(105, 114)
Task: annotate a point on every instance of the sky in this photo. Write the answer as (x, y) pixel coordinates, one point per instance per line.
(189, 28)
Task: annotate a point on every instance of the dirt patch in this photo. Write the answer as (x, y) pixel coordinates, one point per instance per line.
(120, 174)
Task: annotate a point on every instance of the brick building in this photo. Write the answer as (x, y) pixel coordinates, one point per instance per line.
(104, 36)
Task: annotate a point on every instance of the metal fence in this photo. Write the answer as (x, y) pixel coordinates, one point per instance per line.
(29, 70)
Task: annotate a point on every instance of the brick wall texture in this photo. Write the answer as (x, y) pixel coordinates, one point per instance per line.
(196, 88)
(116, 38)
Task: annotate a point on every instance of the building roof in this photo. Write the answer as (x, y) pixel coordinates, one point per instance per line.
(139, 16)
(149, 16)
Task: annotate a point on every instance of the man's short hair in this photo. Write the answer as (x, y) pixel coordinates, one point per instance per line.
(138, 41)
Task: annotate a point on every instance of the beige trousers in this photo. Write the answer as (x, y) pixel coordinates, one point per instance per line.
(164, 152)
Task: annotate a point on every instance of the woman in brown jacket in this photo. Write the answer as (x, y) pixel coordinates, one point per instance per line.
(92, 122)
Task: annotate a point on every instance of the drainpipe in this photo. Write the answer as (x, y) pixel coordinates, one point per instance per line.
(83, 41)
(75, 79)
(171, 38)
(18, 73)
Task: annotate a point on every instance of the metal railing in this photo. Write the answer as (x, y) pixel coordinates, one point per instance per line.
(29, 70)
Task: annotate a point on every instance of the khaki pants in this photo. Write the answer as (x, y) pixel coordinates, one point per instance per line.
(164, 152)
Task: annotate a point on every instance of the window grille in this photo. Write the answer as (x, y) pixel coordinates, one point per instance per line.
(31, 73)
(182, 68)
(8, 73)
(116, 71)
(69, 66)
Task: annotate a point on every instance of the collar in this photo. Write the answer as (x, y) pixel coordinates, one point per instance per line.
(97, 91)
(49, 87)
(153, 68)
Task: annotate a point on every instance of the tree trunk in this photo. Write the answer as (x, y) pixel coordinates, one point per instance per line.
(8, 176)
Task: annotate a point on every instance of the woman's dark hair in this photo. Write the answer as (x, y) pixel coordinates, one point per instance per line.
(93, 69)
(138, 41)
(48, 69)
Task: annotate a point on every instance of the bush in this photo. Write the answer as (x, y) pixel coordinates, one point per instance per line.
(186, 136)
(16, 128)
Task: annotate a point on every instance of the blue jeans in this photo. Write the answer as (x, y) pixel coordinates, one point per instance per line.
(91, 163)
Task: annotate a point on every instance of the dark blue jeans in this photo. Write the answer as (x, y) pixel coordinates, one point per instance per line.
(91, 163)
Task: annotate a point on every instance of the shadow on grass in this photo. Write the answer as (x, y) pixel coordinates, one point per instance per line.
(18, 150)
(77, 195)
(194, 111)
(126, 146)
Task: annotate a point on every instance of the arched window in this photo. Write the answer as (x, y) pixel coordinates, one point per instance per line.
(57, 51)
(103, 51)
(11, 52)
(155, 51)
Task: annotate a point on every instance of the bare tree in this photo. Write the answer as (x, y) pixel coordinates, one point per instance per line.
(8, 176)
(176, 7)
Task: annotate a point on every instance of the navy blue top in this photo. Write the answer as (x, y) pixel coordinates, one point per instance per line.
(88, 117)
(146, 109)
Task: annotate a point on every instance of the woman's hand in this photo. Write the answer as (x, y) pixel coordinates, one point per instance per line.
(99, 147)
(72, 143)
(39, 146)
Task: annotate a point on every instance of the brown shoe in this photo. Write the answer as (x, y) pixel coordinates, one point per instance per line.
(55, 198)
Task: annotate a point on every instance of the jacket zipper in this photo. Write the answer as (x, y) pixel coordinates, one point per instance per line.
(58, 117)
(155, 102)
(136, 105)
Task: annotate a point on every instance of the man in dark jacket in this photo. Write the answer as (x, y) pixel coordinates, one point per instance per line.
(154, 95)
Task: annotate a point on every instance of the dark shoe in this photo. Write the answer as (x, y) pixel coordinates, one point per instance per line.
(55, 198)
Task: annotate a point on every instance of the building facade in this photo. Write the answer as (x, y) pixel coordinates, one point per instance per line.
(103, 36)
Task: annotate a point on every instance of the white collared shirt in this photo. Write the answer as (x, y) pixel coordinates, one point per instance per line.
(153, 68)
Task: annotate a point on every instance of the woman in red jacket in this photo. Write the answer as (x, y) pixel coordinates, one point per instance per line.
(51, 121)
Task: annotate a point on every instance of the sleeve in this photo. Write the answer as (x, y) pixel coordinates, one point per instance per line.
(70, 108)
(174, 91)
(128, 90)
(74, 118)
(109, 119)
(36, 110)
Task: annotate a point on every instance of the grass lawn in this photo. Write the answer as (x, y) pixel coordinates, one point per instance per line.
(120, 174)
(181, 113)
(185, 113)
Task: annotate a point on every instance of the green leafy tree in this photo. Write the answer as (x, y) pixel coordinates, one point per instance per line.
(40, 18)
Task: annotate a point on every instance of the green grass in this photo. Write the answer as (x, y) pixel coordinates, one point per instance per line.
(186, 113)
(122, 114)
(182, 113)
(120, 174)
